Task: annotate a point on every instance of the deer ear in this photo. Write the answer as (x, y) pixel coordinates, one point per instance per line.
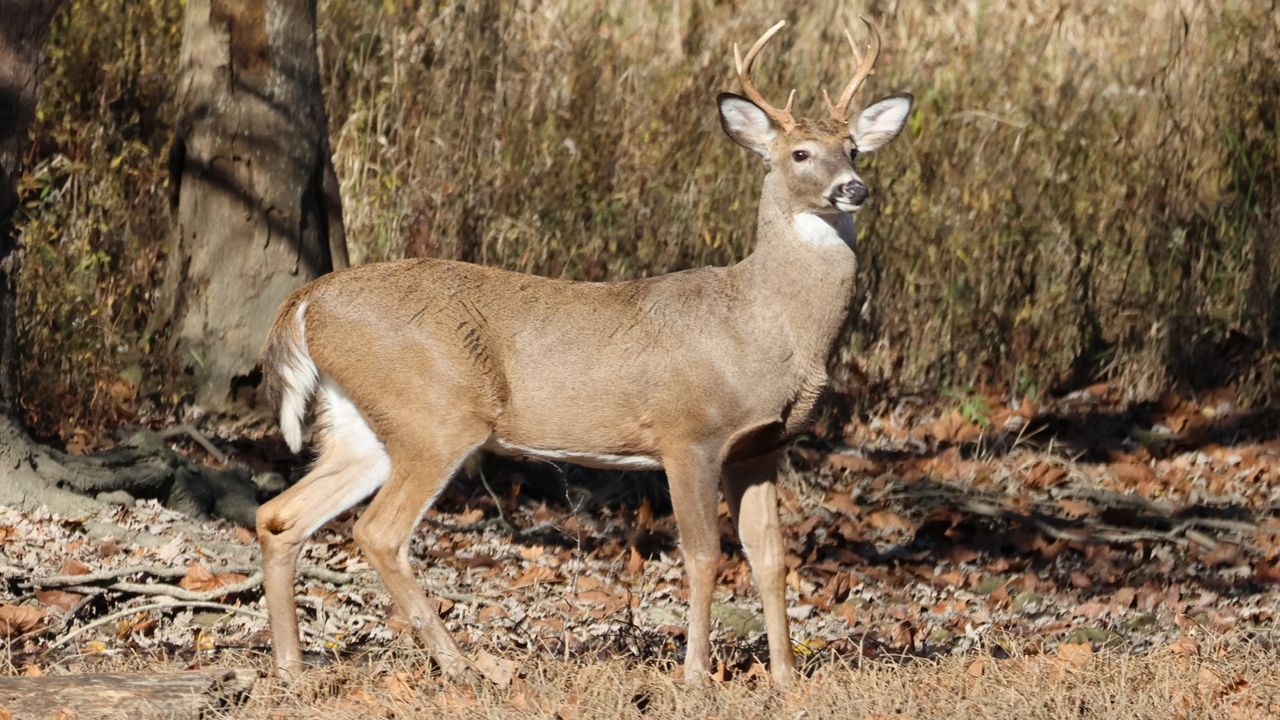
(746, 123)
(880, 122)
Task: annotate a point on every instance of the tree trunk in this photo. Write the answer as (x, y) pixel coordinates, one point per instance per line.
(257, 200)
(22, 36)
(32, 474)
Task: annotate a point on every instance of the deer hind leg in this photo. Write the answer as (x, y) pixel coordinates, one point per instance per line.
(692, 477)
(351, 465)
(751, 490)
(422, 464)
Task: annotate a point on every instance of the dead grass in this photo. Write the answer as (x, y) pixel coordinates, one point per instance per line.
(1223, 677)
(1085, 189)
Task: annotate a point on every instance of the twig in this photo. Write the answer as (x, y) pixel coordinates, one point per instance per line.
(179, 593)
(169, 571)
(191, 432)
(166, 606)
(496, 502)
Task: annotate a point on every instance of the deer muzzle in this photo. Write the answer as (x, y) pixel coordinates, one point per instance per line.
(850, 196)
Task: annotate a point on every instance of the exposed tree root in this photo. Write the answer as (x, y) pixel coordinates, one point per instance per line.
(144, 467)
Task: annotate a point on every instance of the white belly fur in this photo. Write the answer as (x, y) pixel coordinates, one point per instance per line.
(600, 461)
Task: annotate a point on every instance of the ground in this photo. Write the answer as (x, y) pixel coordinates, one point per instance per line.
(973, 557)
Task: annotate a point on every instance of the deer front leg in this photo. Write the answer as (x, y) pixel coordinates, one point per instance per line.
(692, 476)
(751, 490)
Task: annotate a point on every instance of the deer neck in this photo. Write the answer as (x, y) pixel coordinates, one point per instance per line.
(801, 275)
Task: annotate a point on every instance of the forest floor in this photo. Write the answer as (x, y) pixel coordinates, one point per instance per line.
(969, 558)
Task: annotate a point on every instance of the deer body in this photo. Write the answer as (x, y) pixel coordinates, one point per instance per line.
(415, 365)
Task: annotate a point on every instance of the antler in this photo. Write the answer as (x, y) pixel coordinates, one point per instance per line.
(865, 68)
(782, 117)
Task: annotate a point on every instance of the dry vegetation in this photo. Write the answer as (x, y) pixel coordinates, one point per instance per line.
(1215, 681)
(1085, 189)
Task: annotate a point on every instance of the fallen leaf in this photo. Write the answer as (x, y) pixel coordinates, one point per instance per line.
(1124, 597)
(1075, 654)
(199, 579)
(110, 548)
(71, 566)
(888, 520)
(635, 563)
(644, 516)
(471, 516)
(60, 599)
(1185, 645)
(19, 619)
(536, 575)
(1074, 508)
(495, 669)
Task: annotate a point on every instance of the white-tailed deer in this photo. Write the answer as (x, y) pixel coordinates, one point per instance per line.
(417, 364)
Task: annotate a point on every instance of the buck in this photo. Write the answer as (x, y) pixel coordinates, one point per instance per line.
(707, 373)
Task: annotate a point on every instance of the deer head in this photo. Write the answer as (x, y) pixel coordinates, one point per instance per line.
(810, 163)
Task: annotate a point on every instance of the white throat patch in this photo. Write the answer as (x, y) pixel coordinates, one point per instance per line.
(825, 229)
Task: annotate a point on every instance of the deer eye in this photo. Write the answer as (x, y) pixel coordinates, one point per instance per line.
(800, 155)
(853, 154)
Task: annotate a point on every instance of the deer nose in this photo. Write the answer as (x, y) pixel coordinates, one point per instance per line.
(856, 192)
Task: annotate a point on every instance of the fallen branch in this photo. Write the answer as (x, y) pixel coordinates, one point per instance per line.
(106, 619)
(191, 432)
(169, 571)
(173, 591)
(185, 694)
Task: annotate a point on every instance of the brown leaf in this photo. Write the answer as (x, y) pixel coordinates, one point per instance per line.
(489, 613)
(5, 714)
(1074, 508)
(635, 563)
(1075, 654)
(842, 502)
(854, 464)
(644, 516)
(71, 566)
(1224, 554)
(1091, 610)
(1080, 580)
(199, 579)
(471, 516)
(19, 619)
(889, 520)
(65, 713)
(60, 599)
(1124, 597)
(836, 590)
(109, 548)
(536, 575)
(494, 669)
(1185, 645)
(532, 552)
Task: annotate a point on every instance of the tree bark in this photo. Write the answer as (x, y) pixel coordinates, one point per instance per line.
(31, 474)
(22, 39)
(258, 211)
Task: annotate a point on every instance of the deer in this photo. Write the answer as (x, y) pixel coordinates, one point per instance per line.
(411, 366)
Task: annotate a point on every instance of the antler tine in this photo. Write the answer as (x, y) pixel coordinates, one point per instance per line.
(866, 67)
(781, 116)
